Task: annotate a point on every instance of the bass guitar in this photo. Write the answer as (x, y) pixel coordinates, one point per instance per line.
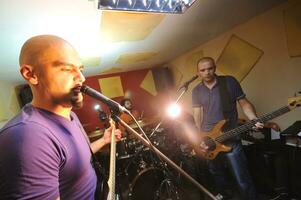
(215, 138)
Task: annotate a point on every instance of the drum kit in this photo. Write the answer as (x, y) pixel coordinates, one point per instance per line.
(140, 174)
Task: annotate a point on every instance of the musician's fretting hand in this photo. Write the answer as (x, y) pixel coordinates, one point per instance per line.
(107, 135)
(258, 126)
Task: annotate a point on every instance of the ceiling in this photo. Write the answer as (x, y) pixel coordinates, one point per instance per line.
(114, 40)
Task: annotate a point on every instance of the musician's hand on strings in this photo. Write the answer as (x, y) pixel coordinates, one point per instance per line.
(258, 126)
(108, 132)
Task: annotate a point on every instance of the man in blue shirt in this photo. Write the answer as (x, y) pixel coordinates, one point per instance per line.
(44, 151)
(208, 111)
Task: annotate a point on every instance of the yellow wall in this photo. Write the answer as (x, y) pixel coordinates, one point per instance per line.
(275, 77)
(9, 105)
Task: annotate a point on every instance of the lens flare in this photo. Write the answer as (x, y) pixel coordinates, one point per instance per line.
(174, 110)
(97, 107)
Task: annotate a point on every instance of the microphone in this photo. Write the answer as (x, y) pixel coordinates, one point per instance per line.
(185, 85)
(97, 95)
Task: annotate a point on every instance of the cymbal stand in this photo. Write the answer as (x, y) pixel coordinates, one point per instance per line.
(167, 184)
(170, 190)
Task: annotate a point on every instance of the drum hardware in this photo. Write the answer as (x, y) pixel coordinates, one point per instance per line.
(160, 155)
(186, 150)
(124, 150)
(116, 107)
(145, 184)
(138, 176)
(142, 175)
(128, 148)
(142, 164)
(139, 168)
(167, 190)
(146, 172)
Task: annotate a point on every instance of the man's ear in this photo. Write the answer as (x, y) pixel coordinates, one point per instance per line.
(29, 74)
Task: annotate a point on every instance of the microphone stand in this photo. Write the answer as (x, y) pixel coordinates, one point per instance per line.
(165, 158)
(185, 86)
(162, 120)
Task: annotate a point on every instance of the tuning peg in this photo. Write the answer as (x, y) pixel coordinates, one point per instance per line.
(297, 93)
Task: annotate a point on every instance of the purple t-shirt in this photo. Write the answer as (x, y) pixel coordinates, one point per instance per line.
(44, 156)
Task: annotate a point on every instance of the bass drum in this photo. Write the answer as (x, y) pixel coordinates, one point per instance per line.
(146, 184)
(140, 180)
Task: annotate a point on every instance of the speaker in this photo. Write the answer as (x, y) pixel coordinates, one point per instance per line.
(25, 95)
(294, 160)
(268, 164)
(162, 78)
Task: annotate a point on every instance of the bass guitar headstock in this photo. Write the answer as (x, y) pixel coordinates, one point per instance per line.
(294, 102)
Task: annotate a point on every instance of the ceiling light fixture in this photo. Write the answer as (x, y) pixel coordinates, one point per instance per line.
(157, 6)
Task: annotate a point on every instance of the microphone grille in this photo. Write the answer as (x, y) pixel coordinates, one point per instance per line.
(83, 88)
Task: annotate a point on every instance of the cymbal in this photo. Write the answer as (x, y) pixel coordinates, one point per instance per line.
(145, 122)
(97, 133)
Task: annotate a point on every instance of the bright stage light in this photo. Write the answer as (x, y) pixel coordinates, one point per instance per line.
(97, 107)
(157, 6)
(174, 110)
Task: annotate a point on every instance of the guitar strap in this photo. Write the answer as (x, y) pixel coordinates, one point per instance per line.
(225, 98)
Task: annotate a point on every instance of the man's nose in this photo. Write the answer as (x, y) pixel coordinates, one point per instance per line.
(80, 76)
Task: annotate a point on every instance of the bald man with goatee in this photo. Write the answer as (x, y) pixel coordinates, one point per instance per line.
(44, 151)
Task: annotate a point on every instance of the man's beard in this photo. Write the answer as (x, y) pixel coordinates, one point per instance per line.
(209, 79)
(75, 102)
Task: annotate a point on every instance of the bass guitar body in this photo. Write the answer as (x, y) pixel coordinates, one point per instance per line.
(214, 147)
